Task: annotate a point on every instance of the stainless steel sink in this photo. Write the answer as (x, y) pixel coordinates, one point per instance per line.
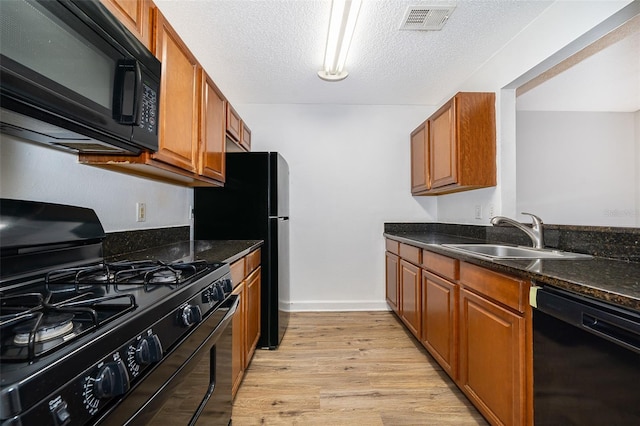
(501, 251)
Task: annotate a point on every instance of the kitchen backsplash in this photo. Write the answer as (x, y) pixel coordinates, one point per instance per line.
(613, 243)
(130, 241)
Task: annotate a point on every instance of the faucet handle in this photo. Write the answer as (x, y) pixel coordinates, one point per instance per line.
(537, 222)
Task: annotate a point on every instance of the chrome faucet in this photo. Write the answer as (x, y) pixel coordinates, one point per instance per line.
(535, 232)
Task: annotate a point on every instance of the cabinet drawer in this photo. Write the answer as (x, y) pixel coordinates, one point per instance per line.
(237, 271)
(441, 265)
(393, 246)
(410, 253)
(253, 261)
(503, 289)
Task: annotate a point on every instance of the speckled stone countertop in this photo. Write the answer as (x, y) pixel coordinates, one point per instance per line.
(611, 275)
(173, 244)
(188, 251)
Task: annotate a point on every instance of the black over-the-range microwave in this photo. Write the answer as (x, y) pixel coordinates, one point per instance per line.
(72, 76)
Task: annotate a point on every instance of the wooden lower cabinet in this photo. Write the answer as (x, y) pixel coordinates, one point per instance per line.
(252, 335)
(238, 324)
(492, 359)
(495, 369)
(393, 280)
(410, 301)
(440, 321)
(246, 278)
(475, 322)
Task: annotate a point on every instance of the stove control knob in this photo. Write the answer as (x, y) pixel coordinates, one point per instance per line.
(61, 415)
(112, 380)
(218, 293)
(190, 315)
(149, 350)
(227, 285)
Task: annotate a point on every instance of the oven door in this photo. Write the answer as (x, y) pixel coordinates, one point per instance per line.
(193, 380)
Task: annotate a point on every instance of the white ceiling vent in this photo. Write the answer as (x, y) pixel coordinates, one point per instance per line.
(426, 18)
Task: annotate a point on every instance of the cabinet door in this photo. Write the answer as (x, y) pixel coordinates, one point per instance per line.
(245, 139)
(253, 313)
(410, 300)
(234, 124)
(420, 159)
(392, 281)
(238, 342)
(179, 99)
(443, 146)
(439, 321)
(492, 359)
(135, 15)
(212, 131)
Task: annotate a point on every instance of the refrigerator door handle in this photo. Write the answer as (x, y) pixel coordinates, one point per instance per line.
(281, 218)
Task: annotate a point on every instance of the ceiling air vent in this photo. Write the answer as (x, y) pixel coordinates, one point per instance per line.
(426, 18)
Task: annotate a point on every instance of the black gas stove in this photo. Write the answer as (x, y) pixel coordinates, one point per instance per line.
(87, 341)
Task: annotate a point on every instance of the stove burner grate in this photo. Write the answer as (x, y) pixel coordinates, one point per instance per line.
(33, 324)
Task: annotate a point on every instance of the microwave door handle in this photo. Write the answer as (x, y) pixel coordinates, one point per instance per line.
(127, 92)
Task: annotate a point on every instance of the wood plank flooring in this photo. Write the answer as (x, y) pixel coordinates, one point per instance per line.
(349, 368)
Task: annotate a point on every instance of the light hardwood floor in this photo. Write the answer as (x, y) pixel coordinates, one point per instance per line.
(349, 368)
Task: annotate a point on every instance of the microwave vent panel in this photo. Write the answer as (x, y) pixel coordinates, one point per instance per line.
(426, 18)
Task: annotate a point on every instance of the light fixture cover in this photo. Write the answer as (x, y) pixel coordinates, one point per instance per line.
(342, 24)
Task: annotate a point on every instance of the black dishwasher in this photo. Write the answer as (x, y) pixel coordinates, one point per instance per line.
(586, 361)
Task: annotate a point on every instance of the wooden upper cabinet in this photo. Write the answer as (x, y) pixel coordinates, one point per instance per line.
(460, 151)
(191, 122)
(234, 123)
(212, 131)
(179, 99)
(420, 159)
(245, 140)
(135, 15)
(443, 144)
(238, 132)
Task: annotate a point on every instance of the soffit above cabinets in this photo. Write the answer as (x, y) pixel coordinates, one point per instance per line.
(603, 77)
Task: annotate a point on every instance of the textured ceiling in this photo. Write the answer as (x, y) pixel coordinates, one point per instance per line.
(269, 51)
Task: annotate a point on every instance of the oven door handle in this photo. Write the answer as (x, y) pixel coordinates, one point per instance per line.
(235, 302)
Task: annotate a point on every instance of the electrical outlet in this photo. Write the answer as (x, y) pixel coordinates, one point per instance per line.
(478, 210)
(492, 212)
(141, 212)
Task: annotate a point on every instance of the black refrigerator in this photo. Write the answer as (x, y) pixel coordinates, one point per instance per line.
(254, 204)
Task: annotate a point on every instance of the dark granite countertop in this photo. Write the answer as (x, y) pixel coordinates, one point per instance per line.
(613, 280)
(210, 250)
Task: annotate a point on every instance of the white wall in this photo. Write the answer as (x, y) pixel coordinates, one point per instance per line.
(637, 133)
(557, 26)
(36, 172)
(350, 168)
(349, 173)
(578, 167)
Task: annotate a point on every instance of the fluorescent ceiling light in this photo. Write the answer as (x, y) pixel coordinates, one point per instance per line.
(344, 14)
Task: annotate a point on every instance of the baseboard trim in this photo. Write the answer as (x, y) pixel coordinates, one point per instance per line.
(337, 306)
